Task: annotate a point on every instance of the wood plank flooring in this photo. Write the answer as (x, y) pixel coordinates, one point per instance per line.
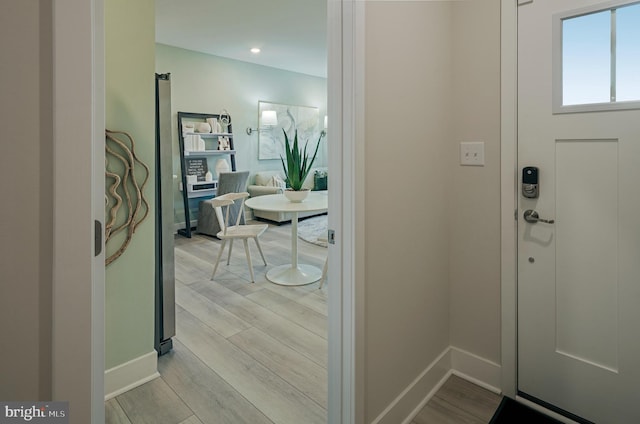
(256, 353)
(459, 402)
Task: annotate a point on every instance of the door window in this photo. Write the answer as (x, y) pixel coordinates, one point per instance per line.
(597, 59)
(628, 54)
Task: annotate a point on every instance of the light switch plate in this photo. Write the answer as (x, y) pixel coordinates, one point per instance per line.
(472, 153)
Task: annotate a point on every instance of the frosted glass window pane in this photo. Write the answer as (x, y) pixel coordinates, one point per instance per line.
(586, 59)
(628, 53)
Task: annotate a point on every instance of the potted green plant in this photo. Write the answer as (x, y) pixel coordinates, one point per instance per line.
(297, 167)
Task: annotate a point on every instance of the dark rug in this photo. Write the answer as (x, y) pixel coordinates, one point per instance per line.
(511, 412)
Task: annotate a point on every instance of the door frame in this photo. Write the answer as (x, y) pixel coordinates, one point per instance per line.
(78, 296)
(508, 191)
(346, 306)
(345, 25)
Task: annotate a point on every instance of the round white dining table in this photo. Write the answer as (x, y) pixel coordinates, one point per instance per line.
(295, 273)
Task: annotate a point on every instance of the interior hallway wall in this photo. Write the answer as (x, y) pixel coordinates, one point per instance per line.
(407, 144)
(130, 107)
(26, 214)
(474, 211)
(433, 252)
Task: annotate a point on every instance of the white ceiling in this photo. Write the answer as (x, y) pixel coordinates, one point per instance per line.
(292, 34)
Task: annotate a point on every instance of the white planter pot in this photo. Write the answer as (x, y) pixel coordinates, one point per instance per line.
(296, 196)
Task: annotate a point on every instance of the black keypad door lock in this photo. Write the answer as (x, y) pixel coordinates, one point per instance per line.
(530, 188)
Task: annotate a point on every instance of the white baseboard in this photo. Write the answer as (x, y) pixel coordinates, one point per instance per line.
(452, 360)
(418, 392)
(476, 369)
(129, 375)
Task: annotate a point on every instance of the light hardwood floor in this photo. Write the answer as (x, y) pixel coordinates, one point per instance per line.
(256, 353)
(459, 402)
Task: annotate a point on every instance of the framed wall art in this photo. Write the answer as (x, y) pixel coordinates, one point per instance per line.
(271, 137)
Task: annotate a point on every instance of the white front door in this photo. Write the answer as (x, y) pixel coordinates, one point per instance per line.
(579, 276)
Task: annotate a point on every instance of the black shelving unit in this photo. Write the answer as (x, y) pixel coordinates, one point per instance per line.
(193, 194)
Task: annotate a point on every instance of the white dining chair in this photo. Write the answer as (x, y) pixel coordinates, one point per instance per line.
(324, 273)
(237, 230)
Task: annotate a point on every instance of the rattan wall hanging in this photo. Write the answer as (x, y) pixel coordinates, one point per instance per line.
(123, 170)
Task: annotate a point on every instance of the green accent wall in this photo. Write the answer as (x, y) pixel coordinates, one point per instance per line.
(204, 83)
(130, 103)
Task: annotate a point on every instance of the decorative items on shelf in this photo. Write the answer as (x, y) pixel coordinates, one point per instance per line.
(210, 126)
(222, 166)
(223, 143)
(203, 127)
(215, 125)
(188, 127)
(193, 143)
(196, 167)
(203, 138)
(224, 120)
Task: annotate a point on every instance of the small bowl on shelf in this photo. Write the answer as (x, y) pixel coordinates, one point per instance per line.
(203, 127)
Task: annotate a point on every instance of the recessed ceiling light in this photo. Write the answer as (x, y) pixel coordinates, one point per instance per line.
(255, 50)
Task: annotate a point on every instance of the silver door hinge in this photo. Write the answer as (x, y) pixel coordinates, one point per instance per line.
(331, 236)
(515, 214)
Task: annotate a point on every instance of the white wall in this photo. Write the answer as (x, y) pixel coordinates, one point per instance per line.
(407, 146)
(432, 227)
(204, 83)
(475, 191)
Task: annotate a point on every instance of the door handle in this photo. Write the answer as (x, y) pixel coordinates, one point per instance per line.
(532, 217)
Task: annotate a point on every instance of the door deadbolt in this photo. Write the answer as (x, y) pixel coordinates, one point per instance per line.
(530, 188)
(532, 217)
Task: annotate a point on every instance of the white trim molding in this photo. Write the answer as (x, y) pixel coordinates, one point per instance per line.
(130, 375)
(345, 83)
(97, 202)
(423, 387)
(77, 351)
(475, 369)
(508, 175)
(466, 365)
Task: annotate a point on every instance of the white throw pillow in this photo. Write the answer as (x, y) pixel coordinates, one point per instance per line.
(263, 178)
(276, 181)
